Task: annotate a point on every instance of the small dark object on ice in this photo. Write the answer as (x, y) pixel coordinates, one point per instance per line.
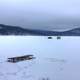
(20, 58)
(58, 37)
(49, 37)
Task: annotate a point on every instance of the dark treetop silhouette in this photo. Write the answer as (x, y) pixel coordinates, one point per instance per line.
(16, 30)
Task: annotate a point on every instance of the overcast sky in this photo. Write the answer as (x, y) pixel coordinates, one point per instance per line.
(40, 14)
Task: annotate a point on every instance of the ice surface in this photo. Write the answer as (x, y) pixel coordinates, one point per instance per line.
(55, 59)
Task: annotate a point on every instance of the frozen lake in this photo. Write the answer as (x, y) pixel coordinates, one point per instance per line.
(56, 59)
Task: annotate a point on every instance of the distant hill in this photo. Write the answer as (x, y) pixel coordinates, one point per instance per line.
(16, 30)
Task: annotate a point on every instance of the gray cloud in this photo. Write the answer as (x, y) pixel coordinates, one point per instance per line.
(40, 14)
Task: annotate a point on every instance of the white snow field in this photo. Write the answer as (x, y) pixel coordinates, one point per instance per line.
(56, 59)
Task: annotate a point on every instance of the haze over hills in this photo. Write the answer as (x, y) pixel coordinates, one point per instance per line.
(16, 30)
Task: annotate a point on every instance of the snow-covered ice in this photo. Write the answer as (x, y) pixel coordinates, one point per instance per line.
(55, 59)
